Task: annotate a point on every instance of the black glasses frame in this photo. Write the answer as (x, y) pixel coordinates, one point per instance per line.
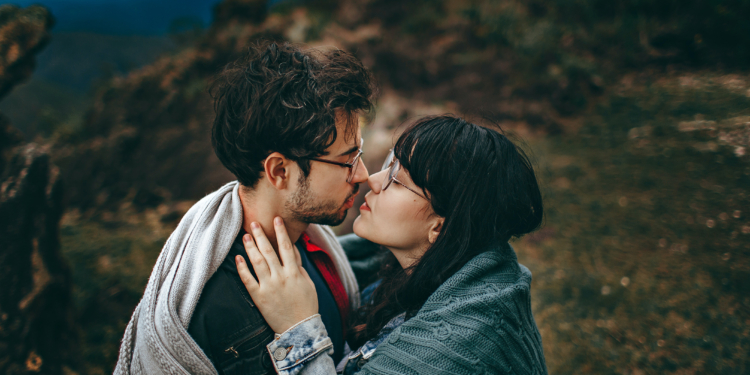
(394, 167)
(352, 165)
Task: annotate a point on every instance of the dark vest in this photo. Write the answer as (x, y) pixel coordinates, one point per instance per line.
(227, 325)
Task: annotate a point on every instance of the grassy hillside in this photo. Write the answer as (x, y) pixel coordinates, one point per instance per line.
(643, 266)
(37, 107)
(67, 74)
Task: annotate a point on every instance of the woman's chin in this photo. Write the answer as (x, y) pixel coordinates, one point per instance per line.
(359, 227)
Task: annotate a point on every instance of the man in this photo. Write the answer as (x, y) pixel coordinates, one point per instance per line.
(287, 126)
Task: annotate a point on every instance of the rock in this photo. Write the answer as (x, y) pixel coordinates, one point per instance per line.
(35, 304)
(23, 33)
(36, 319)
(9, 137)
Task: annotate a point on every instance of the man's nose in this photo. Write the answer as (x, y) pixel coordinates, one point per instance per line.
(361, 174)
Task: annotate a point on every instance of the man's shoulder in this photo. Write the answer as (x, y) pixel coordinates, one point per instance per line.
(195, 211)
(224, 303)
(225, 315)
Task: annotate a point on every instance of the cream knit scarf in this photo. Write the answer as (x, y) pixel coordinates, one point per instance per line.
(156, 340)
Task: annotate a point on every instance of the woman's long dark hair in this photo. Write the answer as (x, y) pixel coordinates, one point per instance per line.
(485, 188)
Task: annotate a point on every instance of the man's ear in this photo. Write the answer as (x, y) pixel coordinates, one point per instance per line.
(435, 229)
(277, 170)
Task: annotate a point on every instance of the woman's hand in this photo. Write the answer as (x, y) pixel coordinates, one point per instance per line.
(284, 293)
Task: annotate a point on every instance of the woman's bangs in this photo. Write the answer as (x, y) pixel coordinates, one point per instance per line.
(418, 151)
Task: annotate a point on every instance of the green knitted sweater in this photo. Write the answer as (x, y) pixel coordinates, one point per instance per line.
(478, 322)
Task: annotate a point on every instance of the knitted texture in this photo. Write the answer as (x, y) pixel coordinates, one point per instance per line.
(478, 322)
(156, 340)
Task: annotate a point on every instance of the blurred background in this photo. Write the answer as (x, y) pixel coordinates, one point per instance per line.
(637, 114)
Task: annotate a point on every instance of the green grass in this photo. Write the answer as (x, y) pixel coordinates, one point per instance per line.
(111, 261)
(643, 266)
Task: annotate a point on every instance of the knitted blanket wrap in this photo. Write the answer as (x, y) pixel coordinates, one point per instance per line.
(156, 340)
(478, 322)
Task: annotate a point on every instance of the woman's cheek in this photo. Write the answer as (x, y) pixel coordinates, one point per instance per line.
(398, 220)
(367, 225)
(377, 225)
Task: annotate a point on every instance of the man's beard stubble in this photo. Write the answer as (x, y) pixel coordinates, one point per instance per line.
(305, 207)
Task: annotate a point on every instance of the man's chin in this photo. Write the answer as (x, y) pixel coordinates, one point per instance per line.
(330, 219)
(336, 221)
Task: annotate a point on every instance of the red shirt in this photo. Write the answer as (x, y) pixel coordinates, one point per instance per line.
(327, 269)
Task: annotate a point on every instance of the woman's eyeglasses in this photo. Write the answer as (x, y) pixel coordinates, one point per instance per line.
(393, 166)
(352, 165)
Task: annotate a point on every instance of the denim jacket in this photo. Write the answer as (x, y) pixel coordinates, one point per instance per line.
(306, 348)
(354, 362)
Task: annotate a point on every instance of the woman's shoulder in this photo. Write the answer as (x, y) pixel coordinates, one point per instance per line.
(485, 310)
(491, 292)
(494, 275)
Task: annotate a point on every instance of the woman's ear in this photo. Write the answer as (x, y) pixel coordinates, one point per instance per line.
(435, 228)
(276, 167)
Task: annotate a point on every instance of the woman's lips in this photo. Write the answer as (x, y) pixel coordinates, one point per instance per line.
(364, 207)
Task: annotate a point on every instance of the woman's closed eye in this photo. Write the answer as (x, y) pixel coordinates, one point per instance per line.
(401, 185)
(404, 181)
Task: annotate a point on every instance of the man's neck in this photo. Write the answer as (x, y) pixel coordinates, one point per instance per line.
(258, 206)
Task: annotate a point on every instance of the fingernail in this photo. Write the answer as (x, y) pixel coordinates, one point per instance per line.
(255, 225)
(246, 238)
(239, 259)
(277, 221)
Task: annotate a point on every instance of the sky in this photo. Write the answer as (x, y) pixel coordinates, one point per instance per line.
(122, 17)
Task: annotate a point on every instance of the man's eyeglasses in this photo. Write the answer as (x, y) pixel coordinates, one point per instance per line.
(393, 166)
(352, 165)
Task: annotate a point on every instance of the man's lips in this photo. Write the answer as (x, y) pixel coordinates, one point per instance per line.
(349, 202)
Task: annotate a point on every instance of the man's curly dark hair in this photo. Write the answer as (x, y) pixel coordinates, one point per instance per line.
(283, 98)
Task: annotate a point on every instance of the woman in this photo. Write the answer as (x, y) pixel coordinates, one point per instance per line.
(452, 297)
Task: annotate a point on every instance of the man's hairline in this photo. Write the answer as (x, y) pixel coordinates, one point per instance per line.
(354, 125)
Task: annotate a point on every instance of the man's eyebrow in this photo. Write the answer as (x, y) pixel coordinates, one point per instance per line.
(349, 151)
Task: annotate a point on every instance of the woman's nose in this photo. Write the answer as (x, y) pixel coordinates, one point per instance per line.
(375, 181)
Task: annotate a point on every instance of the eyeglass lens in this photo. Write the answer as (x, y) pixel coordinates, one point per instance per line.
(394, 166)
(353, 169)
(355, 162)
(388, 160)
